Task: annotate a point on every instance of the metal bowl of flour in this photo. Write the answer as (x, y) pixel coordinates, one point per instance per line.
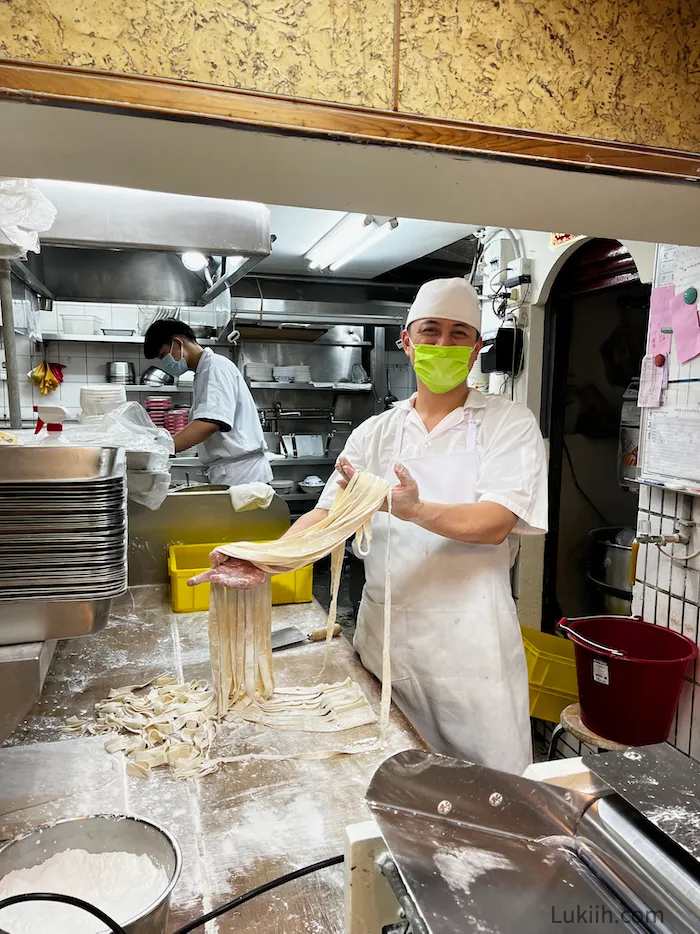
(103, 833)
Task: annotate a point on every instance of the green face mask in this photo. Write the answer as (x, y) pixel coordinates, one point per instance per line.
(441, 369)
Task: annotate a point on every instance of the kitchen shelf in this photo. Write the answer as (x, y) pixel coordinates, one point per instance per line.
(295, 497)
(93, 338)
(301, 461)
(152, 389)
(317, 343)
(106, 339)
(336, 387)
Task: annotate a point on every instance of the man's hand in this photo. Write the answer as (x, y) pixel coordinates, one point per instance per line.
(346, 471)
(229, 572)
(196, 432)
(405, 500)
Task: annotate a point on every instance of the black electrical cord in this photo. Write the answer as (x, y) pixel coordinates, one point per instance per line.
(65, 900)
(578, 486)
(190, 926)
(260, 890)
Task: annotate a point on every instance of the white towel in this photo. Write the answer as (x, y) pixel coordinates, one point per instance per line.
(250, 496)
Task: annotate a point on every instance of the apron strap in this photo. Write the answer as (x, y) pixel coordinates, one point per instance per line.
(472, 431)
(398, 443)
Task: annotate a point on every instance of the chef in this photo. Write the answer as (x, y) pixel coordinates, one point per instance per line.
(467, 470)
(223, 420)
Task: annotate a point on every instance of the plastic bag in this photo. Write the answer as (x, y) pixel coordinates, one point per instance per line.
(150, 447)
(150, 494)
(28, 317)
(24, 213)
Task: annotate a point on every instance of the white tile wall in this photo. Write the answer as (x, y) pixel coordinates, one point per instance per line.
(84, 362)
(667, 593)
(401, 376)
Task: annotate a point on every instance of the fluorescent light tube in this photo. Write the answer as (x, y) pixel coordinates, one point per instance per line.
(375, 237)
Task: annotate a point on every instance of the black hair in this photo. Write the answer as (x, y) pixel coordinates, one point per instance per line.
(162, 332)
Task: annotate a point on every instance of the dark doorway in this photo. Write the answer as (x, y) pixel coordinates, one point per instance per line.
(595, 330)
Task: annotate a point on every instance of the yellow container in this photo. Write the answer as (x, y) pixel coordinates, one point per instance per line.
(184, 561)
(551, 673)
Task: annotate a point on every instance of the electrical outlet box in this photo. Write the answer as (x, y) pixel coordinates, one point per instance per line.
(497, 257)
(522, 266)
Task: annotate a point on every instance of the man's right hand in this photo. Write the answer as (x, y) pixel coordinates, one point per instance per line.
(229, 572)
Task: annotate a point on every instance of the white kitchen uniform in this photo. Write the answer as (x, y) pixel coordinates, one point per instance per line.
(458, 665)
(236, 454)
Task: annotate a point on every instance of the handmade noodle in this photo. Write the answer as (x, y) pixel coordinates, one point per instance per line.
(242, 669)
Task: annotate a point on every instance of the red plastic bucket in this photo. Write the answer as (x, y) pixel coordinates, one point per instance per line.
(630, 675)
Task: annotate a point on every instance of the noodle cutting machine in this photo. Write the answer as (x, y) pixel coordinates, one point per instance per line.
(456, 847)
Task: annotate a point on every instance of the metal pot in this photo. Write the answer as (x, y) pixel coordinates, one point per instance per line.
(610, 562)
(104, 833)
(203, 331)
(121, 371)
(609, 570)
(154, 376)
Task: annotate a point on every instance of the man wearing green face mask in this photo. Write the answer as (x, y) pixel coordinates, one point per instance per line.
(471, 470)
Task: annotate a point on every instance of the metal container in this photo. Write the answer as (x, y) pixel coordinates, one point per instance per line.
(104, 833)
(121, 371)
(609, 571)
(41, 464)
(609, 561)
(203, 331)
(154, 376)
(38, 620)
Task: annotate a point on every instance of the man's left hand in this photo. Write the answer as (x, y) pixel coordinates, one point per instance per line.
(405, 499)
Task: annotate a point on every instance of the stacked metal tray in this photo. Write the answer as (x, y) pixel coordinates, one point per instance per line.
(63, 529)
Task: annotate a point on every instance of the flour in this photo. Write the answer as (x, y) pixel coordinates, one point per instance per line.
(676, 816)
(461, 866)
(121, 884)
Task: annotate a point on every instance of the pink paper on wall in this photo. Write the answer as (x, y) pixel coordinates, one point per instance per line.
(660, 317)
(686, 328)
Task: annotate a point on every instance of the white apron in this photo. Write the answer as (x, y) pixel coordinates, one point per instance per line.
(251, 468)
(459, 672)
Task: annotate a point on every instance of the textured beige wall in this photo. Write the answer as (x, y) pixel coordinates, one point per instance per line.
(627, 70)
(337, 50)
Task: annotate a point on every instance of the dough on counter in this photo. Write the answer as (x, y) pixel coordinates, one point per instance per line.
(166, 723)
(159, 723)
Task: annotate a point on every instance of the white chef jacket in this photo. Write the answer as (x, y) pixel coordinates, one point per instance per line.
(513, 466)
(221, 395)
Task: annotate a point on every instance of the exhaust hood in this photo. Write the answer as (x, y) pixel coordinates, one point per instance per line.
(125, 245)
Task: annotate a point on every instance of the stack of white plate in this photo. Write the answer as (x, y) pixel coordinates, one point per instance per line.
(283, 374)
(302, 374)
(258, 372)
(62, 523)
(102, 398)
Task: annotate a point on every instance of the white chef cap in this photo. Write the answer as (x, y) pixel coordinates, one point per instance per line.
(454, 299)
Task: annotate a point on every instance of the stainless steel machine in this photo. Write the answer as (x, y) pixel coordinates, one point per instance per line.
(458, 847)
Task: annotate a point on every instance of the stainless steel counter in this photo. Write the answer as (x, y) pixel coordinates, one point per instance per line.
(246, 824)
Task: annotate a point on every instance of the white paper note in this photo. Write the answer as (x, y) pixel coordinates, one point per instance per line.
(687, 268)
(651, 379)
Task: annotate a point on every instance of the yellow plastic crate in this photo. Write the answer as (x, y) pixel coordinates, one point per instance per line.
(551, 673)
(184, 561)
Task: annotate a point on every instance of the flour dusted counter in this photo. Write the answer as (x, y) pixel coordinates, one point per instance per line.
(251, 821)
